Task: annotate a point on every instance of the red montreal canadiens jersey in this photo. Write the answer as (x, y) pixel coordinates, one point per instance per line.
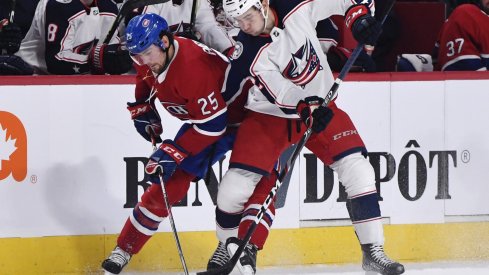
(464, 40)
(190, 89)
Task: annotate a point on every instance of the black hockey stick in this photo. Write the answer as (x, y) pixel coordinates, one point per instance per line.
(192, 15)
(229, 266)
(126, 8)
(170, 215)
(10, 21)
(12, 11)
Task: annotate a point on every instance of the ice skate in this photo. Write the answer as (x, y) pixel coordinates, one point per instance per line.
(219, 258)
(117, 260)
(247, 261)
(375, 260)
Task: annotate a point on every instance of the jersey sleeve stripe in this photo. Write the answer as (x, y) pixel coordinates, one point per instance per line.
(207, 133)
(220, 112)
(295, 9)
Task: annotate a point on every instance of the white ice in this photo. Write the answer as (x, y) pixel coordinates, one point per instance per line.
(437, 268)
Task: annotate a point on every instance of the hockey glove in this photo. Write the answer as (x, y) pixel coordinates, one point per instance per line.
(146, 120)
(10, 36)
(14, 65)
(337, 57)
(314, 114)
(109, 59)
(165, 159)
(363, 26)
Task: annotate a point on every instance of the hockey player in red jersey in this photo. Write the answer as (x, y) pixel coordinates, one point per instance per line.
(464, 39)
(278, 49)
(161, 60)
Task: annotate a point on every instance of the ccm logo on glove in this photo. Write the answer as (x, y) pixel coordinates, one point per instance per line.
(176, 154)
(354, 13)
(139, 110)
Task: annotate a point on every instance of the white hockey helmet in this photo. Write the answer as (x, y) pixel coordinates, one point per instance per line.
(235, 8)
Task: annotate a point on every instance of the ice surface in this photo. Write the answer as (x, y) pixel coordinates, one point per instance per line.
(438, 268)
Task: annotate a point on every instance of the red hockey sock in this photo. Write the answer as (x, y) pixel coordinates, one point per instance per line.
(131, 240)
(251, 209)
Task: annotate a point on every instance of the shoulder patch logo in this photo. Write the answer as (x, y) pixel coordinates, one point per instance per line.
(303, 65)
(13, 147)
(237, 50)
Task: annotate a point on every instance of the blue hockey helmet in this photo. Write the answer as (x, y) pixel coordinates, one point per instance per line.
(143, 31)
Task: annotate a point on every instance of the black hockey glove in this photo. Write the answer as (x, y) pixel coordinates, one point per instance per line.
(146, 120)
(363, 26)
(165, 160)
(14, 65)
(314, 114)
(337, 57)
(10, 37)
(109, 59)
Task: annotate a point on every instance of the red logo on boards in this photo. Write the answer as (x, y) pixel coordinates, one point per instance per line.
(13, 147)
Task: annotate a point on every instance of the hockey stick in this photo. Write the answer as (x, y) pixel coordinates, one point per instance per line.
(10, 21)
(229, 266)
(126, 8)
(12, 11)
(170, 215)
(192, 15)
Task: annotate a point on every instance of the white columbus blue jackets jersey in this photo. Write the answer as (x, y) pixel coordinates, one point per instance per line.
(288, 65)
(63, 32)
(178, 18)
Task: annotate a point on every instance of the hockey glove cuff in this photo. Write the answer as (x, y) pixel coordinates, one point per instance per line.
(165, 159)
(14, 65)
(146, 120)
(337, 57)
(109, 59)
(363, 26)
(314, 114)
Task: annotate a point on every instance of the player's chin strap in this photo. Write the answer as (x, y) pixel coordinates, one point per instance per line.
(166, 50)
(265, 14)
(229, 266)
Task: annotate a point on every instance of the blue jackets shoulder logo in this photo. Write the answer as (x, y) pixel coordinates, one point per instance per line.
(303, 65)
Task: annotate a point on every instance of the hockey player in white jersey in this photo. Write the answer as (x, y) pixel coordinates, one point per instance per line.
(278, 50)
(178, 13)
(66, 36)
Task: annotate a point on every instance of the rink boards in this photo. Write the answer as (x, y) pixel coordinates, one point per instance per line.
(72, 168)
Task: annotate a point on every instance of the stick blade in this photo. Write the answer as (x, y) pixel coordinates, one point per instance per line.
(223, 270)
(226, 268)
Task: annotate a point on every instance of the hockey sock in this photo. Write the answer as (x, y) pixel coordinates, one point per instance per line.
(364, 212)
(150, 212)
(139, 227)
(227, 224)
(251, 210)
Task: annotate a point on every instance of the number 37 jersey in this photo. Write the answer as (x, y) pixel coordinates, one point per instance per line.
(190, 89)
(464, 40)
